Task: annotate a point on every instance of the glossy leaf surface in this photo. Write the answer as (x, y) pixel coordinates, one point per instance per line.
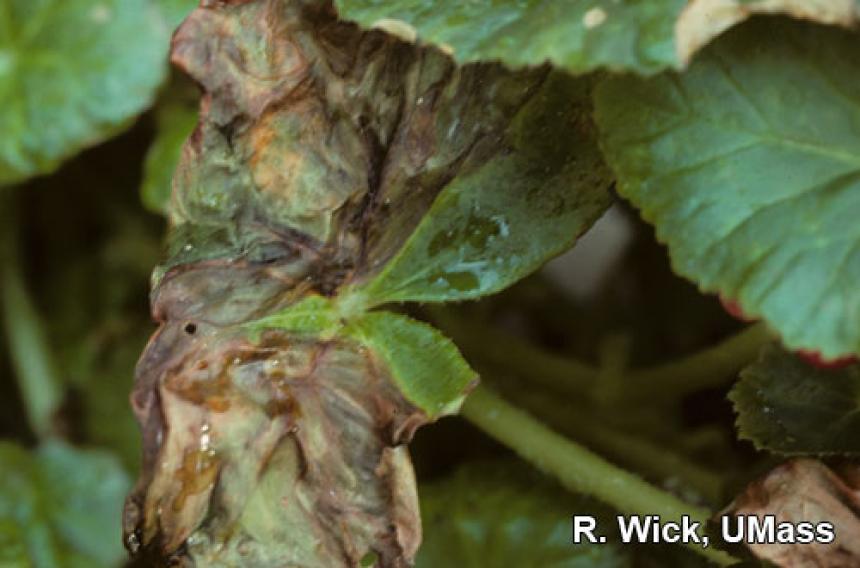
(749, 167)
(788, 406)
(58, 506)
(73, 72)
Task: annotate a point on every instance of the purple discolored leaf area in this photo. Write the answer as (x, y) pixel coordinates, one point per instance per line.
(319, 149)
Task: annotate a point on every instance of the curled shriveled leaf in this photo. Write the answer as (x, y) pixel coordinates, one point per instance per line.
(263, 448)
(275, 409)
(803, 491)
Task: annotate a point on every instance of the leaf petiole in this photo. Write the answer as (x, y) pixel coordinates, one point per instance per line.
(577, 468)
(665, 382)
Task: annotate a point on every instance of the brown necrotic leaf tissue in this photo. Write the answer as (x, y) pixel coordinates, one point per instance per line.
(319, 148)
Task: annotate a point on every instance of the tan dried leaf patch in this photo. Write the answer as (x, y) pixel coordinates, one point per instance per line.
(703, 20)
(319, 148)
(806, 490)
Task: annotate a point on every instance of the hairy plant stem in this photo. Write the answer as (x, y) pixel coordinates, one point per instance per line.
(555, 372)
(637, 452)
(661, 383)
(577, 468)
(705, 369)
(31, 359)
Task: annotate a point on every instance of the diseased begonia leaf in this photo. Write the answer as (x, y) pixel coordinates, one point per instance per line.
(424, 364)
(270, 403)
(59, 505)
(436, 127)
(634, 35)
(502, 514)
(255, 449)
(748, 165)
(175, 122)
(494, 225)
(788, 406)
(72, 72)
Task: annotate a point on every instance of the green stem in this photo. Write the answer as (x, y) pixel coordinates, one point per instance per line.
(31, 359)
(576, 467)
(706, 369)
(639, 453)
(519, 357)
(661, 383)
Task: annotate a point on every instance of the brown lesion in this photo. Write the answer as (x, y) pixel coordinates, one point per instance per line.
(233, 410)
(807, 491)
(310, 432)
(197, 474)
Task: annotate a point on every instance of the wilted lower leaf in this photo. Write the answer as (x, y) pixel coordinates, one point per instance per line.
(786, 405)
(803, 491)
(748, 165)
(361, 179)
(72, 72)
(254, 452)
(59, 506)
(496, 515)
(274, 408)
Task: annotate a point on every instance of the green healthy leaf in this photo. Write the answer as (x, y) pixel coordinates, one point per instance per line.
(498, 514)
(59, 505)
(577, 36)
(176, 122)
(749, 167)
(636, 35)
(72, 72)
(13, 546)
(426, 366)
(495, 225)
(788, 406)
(176, 10)
(314, 315)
